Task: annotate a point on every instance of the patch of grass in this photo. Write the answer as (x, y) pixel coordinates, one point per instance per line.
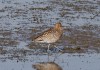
(69, 4)
(7, 42)
(39, 8)
(72, 50)
(84, 36)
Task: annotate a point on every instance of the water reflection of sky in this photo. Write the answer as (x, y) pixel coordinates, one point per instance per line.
(66, 61)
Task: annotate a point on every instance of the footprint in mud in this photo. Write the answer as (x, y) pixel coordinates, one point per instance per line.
(47, 66)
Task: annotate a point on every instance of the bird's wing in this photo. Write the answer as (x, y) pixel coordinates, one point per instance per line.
(45, 33)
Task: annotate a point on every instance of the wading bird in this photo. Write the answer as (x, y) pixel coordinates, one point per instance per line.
(51, 35)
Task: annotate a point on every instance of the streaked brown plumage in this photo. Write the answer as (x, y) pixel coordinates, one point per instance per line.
(47, 66)
(51, 35)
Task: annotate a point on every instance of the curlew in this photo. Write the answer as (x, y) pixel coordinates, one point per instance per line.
(51, 35)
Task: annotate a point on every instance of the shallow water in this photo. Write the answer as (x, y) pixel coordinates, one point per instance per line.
(66, 61)
(22, 20)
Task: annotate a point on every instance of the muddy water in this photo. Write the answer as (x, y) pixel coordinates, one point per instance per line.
(22, 20)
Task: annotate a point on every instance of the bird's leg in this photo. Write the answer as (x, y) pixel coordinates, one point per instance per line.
(48, 57)
(48, 51)
(48, 48)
